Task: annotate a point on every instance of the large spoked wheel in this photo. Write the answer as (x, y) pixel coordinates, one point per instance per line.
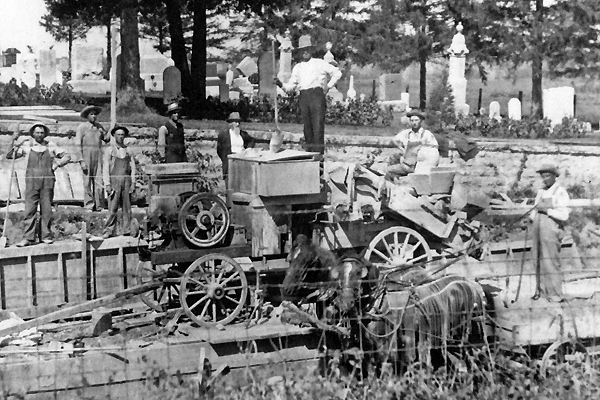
(398, 246)
(204, 219)
(561, 352)
(214, 290)
(158, 299)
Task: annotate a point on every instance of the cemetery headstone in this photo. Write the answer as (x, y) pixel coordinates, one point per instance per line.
(247, 66)
(266, 86)
(495, 111)
(351, 94)
(171, 84)
(558, 103)
(48, 67)
(151, 70)
(87, 62)
(514, 109)
(456, 75)
(285, 58)
(462, 109)
(405, 98)
(28, 68)
(390, 87)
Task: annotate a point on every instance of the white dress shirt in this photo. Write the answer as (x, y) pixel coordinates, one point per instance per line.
(237, 143)
(313, 74)
(558, 197)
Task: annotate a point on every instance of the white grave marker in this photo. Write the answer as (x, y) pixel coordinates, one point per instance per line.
(558, 103)
(514, 109)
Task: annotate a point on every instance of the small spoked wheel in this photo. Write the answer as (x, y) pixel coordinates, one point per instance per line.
(561, 352)
(214, 290)
(204, 219)
(158, 299)
(398, 246)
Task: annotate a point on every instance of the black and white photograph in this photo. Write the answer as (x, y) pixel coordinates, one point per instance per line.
(299, 199)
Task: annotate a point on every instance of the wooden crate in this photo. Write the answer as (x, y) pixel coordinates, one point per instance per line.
(268, 174)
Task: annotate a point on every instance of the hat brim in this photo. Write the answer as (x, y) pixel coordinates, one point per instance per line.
(550, 170)
(169, 112)
(119, 128)
(46, 129)
(415, 114)
(87, 110)
(234, 120)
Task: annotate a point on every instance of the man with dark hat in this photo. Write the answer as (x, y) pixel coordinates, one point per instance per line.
(171, 139)
(232, 140)
(89, 137)
(43, 158)
(549, 218)
(416, 144)
(313, 77)
(119, 181)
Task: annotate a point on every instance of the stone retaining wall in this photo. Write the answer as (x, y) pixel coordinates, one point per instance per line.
(507, 166)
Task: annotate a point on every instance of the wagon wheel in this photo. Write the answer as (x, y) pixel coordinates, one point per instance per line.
(214, 290)
(158, 299)
(398, 246)
(561, 351)
(204, 219)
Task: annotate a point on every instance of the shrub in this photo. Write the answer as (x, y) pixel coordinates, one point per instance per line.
(13, 94)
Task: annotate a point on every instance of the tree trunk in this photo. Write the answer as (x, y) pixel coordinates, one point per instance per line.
(198, 76)
(537, 110)
(178, 51)
(422, 80)
(130, 49)
(108, 51)
(71, 50)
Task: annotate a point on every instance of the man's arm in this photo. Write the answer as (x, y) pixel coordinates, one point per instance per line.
(17, 148)
(294, 79)
(79, 144)
(429, 140)
(249, 141)
(400, 142)
(105, 134)
(334, 73)
(560, 205)
(106, 169)
(61, 157)
(162, 140)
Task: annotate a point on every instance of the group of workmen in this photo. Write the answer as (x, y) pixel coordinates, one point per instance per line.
(313, 78)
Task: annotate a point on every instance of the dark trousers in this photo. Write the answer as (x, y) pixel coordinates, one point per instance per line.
(38, 195)
(313, 108)
(120, 198)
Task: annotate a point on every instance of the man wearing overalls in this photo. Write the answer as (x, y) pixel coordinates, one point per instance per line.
(171, 139)
(119, 181)
(88, 138)
(43, 158)
(416, 145)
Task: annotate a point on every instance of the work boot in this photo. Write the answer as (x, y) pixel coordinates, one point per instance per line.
(48, 241)
(24, 243)
(106, 235)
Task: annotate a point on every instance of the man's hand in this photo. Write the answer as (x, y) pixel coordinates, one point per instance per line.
(277, 82)
(132, 189)
(109, 191)
(54, 167)
(83, 166)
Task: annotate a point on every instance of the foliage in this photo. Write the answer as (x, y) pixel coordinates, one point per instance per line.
(130, 101)
(12, 94)
(529, 128)
(441, 102)
(357, 112)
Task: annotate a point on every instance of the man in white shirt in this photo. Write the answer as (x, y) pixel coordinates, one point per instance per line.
(549, 217)
(232, 140)
(417, 145)
(310, 77)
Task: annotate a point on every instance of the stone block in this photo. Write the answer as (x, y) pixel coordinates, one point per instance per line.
(558, 103)
(48, 67)
(266, 73)
(171, 77)
(87, 62)
(495, 111)
(390, 87)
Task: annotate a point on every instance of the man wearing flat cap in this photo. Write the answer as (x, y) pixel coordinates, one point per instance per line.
(89, 138)
(313, 77)
(43, 158)
(417, 146)
(232, 140)
(119, 182)
(171, 139)
(549, 218)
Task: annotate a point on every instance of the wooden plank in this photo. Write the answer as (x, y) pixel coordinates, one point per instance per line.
(49, 283)
(191, 255)
(5, 177)
(87, 306)
(20, 173)
(77, 185)
(17, 287)
(62, 186)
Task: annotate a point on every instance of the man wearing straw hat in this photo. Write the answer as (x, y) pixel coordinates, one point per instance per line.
(88, 138)
(549, 217)
(119, 181)
(171, 139)
(232, 140)
(417, 146)
(43, 158)
(310, 77)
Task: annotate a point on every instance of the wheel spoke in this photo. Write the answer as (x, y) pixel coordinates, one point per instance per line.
(196, 230)
(414, 260)
(197, 292)
(380, 254)
(221, 273)
(230, 278)
(404, 248)
(387, 247)
(197, 283)
(161, 294)
(228, 288)
(196, 304)
(236, 301)
(214, 310)
(190, 217)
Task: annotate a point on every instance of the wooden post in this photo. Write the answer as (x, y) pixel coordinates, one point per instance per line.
(374, 93)
(479, 99)
(84, 259)
(520, 97)
(113, 72)
(574, 106)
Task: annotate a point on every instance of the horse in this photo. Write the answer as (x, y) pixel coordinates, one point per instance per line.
(410, 317)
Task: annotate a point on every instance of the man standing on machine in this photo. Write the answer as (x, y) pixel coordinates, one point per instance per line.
(171, 139)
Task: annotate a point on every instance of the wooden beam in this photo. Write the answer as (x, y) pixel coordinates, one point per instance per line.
(87, 306)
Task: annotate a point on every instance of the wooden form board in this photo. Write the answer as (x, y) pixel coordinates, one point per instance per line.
(55, 274)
